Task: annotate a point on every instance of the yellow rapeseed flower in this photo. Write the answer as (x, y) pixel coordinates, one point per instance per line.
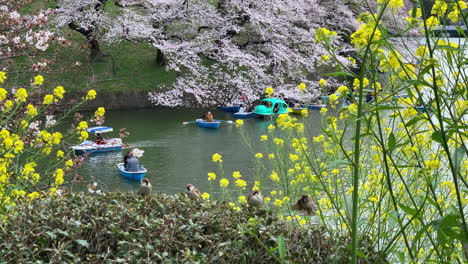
(239, 123)
(59, 91)
(324, 35)
(263, 137)
(432, 22)
(342, 90)
(82, 125)
(223, 183)
(274, 177)
(241, 183)
(278, 141)
(293, 157)
(323, 110)
(439, 8)
(269, 91)
(236, 174)
(38, 80)
(242, 199)
(211, 176)
(363, 35)
(271, 156)
(31, 111)
(83, 135)
(217, 158)
(33, 195)
(322, 83)
(7, 105)
(48, 99)
(3, 77)
(101, 111)
(69, 163)
(91, 95)
(278, 203)
(60, 154)
(205, 196)
(3, 94)
(353, 108)
(21, 95)
(259, 155)
(302, 87)
(58, 174)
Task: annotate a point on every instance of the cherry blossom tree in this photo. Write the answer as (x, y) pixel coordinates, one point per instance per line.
(224, 49)
(85, 17)
(24, 35)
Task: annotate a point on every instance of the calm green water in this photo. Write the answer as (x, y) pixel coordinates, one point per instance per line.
(177, 154)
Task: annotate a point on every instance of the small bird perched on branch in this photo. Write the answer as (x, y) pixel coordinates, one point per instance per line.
(192, 192)
(255, 199)
(145, 187)
(305, 204)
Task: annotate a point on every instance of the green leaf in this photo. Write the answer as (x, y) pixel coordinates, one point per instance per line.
(83, 243)
(281, 246)
(457, 157)
(391, 142)
(339, 74)
(437, 136)
(412, 121)
(408, 209)
(51, 235)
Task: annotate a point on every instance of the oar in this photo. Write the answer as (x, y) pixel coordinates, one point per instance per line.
(225, 121)
(186, 123)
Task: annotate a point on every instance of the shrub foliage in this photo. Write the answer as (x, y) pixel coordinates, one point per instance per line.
(124, 227)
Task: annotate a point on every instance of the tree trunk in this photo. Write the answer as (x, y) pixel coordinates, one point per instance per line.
(160, 58)
(96, 52)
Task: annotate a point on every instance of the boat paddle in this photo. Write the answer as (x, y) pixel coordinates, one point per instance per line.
(186, 123)
(225, 121)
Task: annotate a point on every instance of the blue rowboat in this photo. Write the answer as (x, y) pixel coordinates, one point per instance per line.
(316, 107)
(244, 115)
(400, 96)
(98, 146)
(232, 109)
(93, 147)
(420, 108)
(138, 176)
(203, 123)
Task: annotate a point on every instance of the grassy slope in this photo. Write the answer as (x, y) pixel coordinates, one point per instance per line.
(127, 66)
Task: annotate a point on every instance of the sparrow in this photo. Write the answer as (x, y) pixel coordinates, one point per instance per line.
(255, 199)
(305, 204)
(192, 192)
(145, 187)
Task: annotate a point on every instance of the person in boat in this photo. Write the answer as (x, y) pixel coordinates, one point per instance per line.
(204, 116)
(242, 108)
(126, 157)
(133, 164)
(276, 108)
(209, 117)
(98, 139)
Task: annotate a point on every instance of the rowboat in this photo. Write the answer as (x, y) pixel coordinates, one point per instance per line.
(270, 107)
(420, 108)
(203, 123)
(233, 109)
(243, 115)
(138, 175)
(316, 107)
(98, 146)
(298, 110)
